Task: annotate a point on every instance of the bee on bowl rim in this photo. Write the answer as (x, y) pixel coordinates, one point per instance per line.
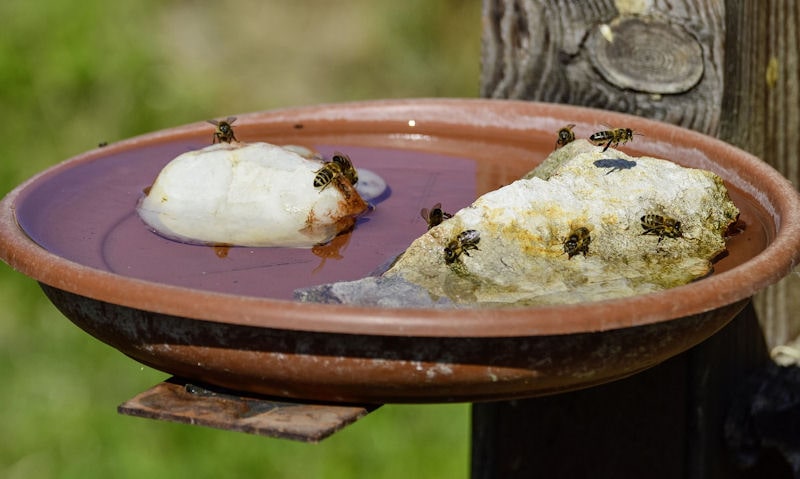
(224, 131)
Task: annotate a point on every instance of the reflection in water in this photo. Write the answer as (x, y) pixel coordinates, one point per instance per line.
(332, 249)
(735, 228)
(221, 250)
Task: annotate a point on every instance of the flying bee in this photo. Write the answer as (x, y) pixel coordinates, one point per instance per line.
(224, 131)
(346, 166)
(465, 241)
(613, 136)
(565, 135)
(577, 242)
(327, 174)
(435, 216)
(661, 226)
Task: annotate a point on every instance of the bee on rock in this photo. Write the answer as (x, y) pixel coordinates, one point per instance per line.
(224, 131)
(565, 135)
(346, 166)
(465, 241)
(577, 242)
(613, 136)
(327, 174)
(435, 216)
(661, 226)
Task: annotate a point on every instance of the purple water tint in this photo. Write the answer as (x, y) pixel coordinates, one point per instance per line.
(86, 213)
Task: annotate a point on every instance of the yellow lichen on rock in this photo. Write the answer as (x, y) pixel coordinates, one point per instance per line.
(643, 224)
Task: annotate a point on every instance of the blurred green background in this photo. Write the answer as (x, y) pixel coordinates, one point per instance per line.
(73, 74)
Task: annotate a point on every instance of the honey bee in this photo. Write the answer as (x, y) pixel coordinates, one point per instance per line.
(435, 216)
(613, 136)
(465, 241)
(577, 242)
(224, 131)
(327, 174)
(661, 226)
(346, 166)
(565, 135)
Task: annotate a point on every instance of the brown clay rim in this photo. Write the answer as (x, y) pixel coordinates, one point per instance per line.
(473, 118)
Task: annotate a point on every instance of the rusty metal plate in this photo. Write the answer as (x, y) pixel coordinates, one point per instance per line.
(189, 403)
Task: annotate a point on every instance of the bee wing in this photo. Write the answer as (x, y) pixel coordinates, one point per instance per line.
(230, 119)
(213, 122)
(469, 236)
(424, 213)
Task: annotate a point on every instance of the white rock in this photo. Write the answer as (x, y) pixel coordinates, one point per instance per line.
(248, 194)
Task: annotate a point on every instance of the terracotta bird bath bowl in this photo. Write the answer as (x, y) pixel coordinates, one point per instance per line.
(225, 316)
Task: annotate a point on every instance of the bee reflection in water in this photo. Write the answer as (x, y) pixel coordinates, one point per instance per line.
(332, 249)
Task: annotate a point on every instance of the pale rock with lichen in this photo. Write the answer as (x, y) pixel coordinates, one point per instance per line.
(521, 257)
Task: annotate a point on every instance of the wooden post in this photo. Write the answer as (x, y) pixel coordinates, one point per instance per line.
(760, 114)
(725, 68)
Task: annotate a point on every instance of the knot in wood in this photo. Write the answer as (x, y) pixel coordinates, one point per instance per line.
(647, 56)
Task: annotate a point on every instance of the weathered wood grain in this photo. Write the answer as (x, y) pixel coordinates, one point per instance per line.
(548, 51)
(761, 114)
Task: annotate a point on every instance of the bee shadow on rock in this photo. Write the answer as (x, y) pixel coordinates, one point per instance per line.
(614, 164)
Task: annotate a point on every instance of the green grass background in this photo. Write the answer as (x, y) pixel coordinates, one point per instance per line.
(73, 74)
